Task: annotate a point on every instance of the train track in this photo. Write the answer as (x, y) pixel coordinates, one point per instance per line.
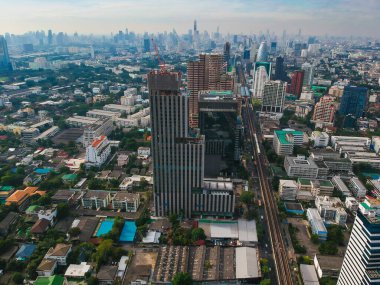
(280, 257)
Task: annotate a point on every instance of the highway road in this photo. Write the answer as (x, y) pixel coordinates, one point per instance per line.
(280, 256)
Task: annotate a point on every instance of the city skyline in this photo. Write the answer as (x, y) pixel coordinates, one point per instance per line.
(342, 17)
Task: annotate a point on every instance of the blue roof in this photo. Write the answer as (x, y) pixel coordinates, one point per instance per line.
(43, 170)
(25, 251)
(129, 231)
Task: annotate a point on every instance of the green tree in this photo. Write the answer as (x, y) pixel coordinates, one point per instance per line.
(74, 232)
(265, 282)
(197, 234)
(18, 278)
(63, 210)
(246, 197)
(182, 278)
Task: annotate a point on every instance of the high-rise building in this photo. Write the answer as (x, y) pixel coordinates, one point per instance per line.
(354, 101)
(178, 156)
(296, 83)
(279, 73)
(227, 52)
(273, 96)
(324, 110)
(5, 62)
(261, 76)
(146, 45)
(206, 74)
(308, 77)
(253, 52)
(361, 261)
(262, 54)
(50, 37)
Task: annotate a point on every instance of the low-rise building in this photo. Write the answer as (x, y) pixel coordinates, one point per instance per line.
(285, 140)
(357, 188)
(98, 152)
(288, 189)
(341, 186)
(328, 265)
(106, 274)
(352, 204)
(22, 197)
(308, 274)
(143, 152)
(95, 199)
(320, 139)
(316, 223)
(322, 188)
(77, 270)
(125, 201)
(46, 267)
(122, 159)
(96, 113)
(300, 167)
(331, 209)
(59, 253)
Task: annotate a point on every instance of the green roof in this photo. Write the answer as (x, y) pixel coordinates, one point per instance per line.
(325, 183)
(282, 135)
(365, 206)
(220, 93)
(304, 181)
(6, 188)
(31, 208)
(52, 280)
(71, 177)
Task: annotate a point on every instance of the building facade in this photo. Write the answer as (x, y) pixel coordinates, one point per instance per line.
(273, 96)
(354, 101)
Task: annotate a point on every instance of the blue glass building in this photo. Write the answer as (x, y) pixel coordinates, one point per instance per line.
(354, 101)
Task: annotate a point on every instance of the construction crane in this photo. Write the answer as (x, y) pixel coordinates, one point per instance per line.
(161, 62)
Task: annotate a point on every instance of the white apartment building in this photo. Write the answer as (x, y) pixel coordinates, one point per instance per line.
(98, 152)
(288, 189)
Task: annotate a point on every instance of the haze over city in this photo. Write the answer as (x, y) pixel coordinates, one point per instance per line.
(317, 17)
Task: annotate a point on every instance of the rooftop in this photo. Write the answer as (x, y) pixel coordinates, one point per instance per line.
(281, 134)
(52, 280)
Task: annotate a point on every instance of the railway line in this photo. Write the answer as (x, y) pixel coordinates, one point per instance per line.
(280, 257)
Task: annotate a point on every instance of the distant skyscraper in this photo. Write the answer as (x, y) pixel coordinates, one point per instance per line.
(5, 62)
(178, 158)
(324, 110)
(308, 77)
(273, 96)
(262, 54)
(297, 49)
(50, 37)
(273, 47)
(146, 45)
(361, 260)
(354, 101)
(227, 52)
(296, 83)
(279, 73)
(261, 76)
(206, 74)
(253, 52)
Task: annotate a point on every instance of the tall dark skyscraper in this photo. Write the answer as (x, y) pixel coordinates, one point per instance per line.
(146, 45)
(5, 62)
(178, 155)
(354, 101)
(295, 87)
(280, 73)
(227, 52)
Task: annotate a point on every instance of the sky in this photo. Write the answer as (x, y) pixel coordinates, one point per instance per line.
(314, 17)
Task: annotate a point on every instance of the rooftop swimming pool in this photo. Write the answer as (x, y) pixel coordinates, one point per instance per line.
(105, 227)
(129, 231)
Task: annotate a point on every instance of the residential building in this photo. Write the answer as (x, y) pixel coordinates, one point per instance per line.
(261, 76)
(122, 109)
(351, 204)
(29, 134)
(59, 253)
(341, 186)
(288, 189)
(125, 201)
(173, 179)
(95, 199)
(354, 101)
(322, 188)
(296, 82)
(285, 140)
(100, 114)
(7, 222)
(77, 270)
(106, 274)
(103, 126)
(98, 152)
(316, 223)
(22, 197)
(331, 209)
(46, 267)
(308, 75)
(357, 188)
(273, 96)
(205, 74)
(143, 152)
(361, 260)
(324, 111)
(320, 139)
(122, 159)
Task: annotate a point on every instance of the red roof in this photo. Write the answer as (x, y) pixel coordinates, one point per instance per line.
(40, 226)
(98, 141)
